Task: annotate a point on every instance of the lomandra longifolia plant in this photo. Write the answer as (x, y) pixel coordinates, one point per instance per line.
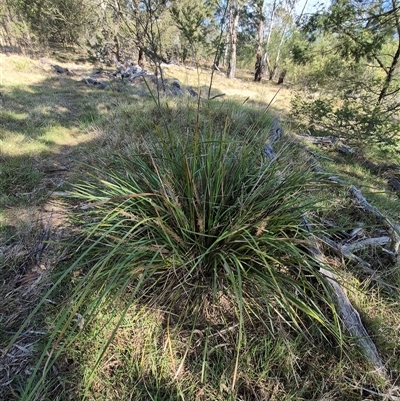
(192, 218)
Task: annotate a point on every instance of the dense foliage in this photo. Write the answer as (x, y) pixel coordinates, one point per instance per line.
(351, 54)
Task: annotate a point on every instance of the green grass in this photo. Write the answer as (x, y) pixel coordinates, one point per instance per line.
(184, 272)
(196, 224)
(19, 179)
(373, 184)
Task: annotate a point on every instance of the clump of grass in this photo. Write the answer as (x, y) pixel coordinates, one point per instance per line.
(197, 224)
(22, 64)
(19, 179)
(145, 307)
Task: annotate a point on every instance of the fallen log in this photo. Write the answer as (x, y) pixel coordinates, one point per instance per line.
(328, 140)
(62, 70)
(350, 316)
(138, 74)
(192, 92)
(394, 182)
(353, 323)
(347, 254)
(95, 82)
(355, 246)
(318, 140)
(347, 150)
(394, 229)
(345, 251)
(274, 135)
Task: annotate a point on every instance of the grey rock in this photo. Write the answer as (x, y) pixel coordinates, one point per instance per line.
(192, 92)
(95, 82)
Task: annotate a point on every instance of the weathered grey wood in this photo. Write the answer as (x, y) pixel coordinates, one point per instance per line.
(347, 150)
(394, 229)
(353, 323)
(95, 82)
(350, 317)
(274, 135)
(318, 140)
(347, 254)
(327, 140)
(355, 246)
(349, 314)
(394, 183)
(139, 74)
(61, 70)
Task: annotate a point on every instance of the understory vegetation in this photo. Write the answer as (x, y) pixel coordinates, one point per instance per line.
(199, 200)
(159, 247)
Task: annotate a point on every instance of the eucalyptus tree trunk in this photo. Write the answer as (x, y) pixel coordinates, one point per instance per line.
(117, 48)
(139, 34)
(278, 55)
(232, 39)
(271, 27)
(290, 9)
(259, 67)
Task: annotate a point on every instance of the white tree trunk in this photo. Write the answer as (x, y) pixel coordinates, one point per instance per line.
(270, 28)
(232, 34)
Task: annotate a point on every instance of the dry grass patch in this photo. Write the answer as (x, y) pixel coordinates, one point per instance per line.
(240, 89)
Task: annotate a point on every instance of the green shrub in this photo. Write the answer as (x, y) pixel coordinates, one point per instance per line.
(359, 120)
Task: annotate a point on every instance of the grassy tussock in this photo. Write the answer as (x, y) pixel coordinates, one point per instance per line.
(199, 225)
(186, 273)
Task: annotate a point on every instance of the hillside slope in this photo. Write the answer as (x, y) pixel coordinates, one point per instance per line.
(58, 134)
